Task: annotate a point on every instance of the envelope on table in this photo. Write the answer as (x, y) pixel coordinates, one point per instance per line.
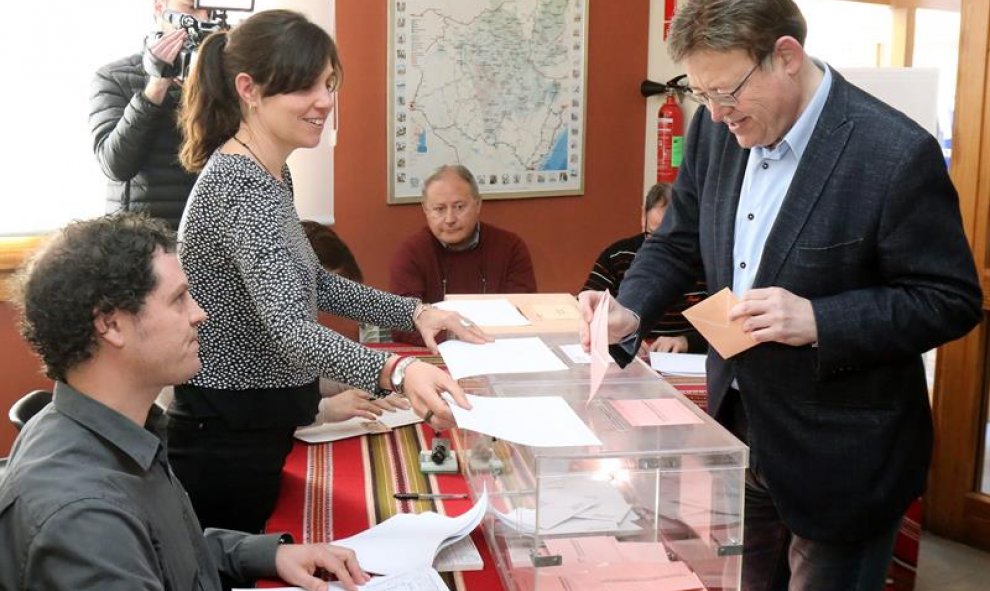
(711, 318)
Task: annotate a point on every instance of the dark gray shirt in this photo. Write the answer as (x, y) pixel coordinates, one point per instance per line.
(90, 502)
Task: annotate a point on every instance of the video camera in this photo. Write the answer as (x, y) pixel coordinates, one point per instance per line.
(198, 30)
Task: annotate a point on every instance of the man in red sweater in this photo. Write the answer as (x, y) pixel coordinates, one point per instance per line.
(456, 252)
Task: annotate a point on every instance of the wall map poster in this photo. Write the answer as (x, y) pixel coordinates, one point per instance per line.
(495, 85)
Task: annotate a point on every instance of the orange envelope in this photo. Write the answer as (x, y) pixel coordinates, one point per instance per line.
(711, 318)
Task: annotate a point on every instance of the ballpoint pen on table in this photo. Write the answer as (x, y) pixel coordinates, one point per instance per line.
(414, 496)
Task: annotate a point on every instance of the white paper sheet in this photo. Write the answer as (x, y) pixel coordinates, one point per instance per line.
(678, 364)
(410, 541)
(518, 355)
(357, 426)
(540, 421)
(576, 354)
(493, 312)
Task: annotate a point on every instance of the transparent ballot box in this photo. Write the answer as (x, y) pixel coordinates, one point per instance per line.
(657, 506)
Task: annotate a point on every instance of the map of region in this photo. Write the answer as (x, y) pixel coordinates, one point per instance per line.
(495, 85)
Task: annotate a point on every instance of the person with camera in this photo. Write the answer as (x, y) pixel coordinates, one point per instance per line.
(132, 117)
(256, 94)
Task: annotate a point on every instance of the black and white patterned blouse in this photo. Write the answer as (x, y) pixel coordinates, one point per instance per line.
(252, 270)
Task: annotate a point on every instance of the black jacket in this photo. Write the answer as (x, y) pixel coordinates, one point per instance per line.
(137, 143)
(870, 232)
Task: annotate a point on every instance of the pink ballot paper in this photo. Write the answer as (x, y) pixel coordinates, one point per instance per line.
(711, 317)
(599, 344)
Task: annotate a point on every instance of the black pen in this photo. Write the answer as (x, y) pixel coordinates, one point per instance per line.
(414, 496)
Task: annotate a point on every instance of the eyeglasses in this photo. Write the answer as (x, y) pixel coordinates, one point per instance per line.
(722, 99)
(440, 211)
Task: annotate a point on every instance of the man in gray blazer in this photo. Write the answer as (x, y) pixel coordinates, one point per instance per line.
(833, 218)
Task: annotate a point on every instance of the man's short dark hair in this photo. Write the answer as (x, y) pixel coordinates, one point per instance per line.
(89, 267)
(659, 194)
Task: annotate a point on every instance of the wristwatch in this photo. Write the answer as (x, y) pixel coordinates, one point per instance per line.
(398, 377)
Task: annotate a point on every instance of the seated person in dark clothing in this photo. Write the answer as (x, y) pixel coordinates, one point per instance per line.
(673, 333)
(456, 252)
(89, 500)
(339, 401)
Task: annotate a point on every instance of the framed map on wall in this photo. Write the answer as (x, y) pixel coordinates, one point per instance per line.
(498, 86)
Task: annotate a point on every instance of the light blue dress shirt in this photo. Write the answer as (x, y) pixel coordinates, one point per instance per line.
(768, 176)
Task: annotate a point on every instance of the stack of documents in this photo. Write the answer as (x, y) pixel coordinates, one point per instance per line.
(678, 364)
(357, 426)
(410, 541)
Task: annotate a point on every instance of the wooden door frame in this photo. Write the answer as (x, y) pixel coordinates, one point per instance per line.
(952, 508)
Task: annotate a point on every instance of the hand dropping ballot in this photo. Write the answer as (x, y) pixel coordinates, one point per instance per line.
(600, 357)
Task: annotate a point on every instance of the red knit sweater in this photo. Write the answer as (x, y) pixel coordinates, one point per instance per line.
(423, 268)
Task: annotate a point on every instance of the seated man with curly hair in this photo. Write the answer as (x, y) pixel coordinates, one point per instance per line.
(89, 499)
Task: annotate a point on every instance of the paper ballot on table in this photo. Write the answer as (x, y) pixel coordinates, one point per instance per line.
(539, 421)
(357, 426)
(519, 355)
(577, 355)
(409, 541)
(711, 317)
(424, 579)
(599, 344)
(493, 312)
(678, 364)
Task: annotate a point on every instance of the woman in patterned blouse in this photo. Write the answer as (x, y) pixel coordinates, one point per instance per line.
(257, 93)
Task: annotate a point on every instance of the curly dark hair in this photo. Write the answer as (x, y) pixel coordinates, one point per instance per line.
(90, 267)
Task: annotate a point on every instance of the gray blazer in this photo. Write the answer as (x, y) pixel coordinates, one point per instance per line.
(870, 232)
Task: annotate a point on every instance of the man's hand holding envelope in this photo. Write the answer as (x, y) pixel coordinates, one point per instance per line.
(730, 325)
(763, 315)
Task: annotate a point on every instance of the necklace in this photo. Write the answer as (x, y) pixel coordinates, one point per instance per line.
(258, 160)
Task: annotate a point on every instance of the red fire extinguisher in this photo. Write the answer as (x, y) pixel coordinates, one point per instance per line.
(670, 139)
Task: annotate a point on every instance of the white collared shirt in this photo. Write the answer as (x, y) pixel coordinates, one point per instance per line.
(769, 172)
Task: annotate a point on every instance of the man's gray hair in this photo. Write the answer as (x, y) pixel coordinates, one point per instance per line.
(461, 171)
(726, 25)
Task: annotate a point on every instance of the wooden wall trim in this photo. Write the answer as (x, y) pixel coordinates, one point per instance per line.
(961, 368)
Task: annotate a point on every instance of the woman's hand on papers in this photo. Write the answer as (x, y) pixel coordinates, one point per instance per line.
(424, 384)
(432, 321)
(356, 403)
(297, 564)
(621, 321)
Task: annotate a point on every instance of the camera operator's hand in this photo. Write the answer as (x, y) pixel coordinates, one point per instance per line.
(159, 59)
